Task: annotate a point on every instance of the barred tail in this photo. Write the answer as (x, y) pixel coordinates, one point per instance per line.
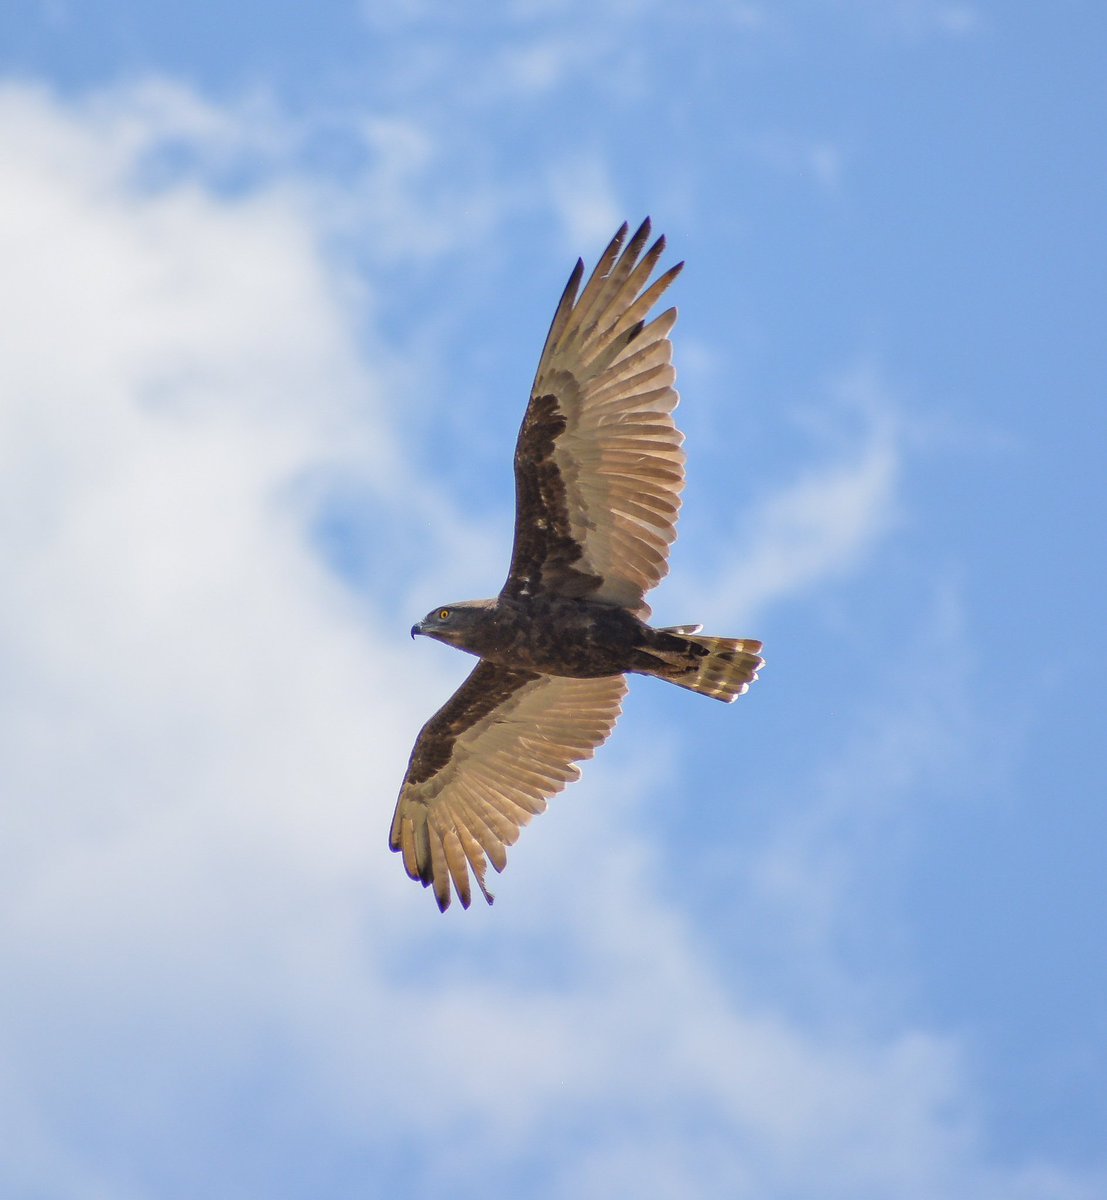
(722, 668)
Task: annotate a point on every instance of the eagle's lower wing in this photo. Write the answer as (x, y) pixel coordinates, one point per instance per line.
(598, 463)
(486, 762)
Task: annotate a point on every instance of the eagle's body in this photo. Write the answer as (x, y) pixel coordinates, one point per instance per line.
(598, 475)
(579, 639)
(576, 639)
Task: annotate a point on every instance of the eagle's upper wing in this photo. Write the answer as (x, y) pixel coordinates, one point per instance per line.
(486, 762)
(598, 463)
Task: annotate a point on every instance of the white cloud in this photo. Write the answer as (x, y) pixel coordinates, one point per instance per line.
(822, 161)
(400, 197)
(584, 200)
(917, 18)
(817, 528)
(212, 957)
(539, 66)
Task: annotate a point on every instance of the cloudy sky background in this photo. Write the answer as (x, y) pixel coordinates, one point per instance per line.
(273, 282)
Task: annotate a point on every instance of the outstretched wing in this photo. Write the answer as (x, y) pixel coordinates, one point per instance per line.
(598, 463)
(486, 762)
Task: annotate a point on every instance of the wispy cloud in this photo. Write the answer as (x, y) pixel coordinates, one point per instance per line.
(821, 525)
(820, 161)
(916, 18)
(584, 198)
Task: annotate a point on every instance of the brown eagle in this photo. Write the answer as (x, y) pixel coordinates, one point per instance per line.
(598, 476)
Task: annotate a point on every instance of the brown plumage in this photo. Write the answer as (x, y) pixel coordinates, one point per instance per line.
(598, 474)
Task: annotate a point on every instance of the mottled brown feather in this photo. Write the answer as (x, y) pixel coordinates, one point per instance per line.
(486, 762)
(598, 463)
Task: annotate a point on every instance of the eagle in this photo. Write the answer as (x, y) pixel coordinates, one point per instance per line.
(598, 474)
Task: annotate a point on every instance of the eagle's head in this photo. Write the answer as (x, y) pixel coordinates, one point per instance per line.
(455, 624)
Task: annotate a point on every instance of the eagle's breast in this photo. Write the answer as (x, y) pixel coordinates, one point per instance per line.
(555, 636)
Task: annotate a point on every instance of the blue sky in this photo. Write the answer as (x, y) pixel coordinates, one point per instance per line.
(275, 281)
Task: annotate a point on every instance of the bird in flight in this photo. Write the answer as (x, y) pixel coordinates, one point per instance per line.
(598, 475)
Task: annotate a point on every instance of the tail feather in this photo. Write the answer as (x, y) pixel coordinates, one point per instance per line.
(722, 668)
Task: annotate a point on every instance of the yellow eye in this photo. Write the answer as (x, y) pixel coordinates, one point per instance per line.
(443, 614)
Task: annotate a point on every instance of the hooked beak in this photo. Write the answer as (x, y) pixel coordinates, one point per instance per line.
(416, 628)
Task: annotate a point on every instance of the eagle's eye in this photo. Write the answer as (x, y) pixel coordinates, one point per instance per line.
(443, 614)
